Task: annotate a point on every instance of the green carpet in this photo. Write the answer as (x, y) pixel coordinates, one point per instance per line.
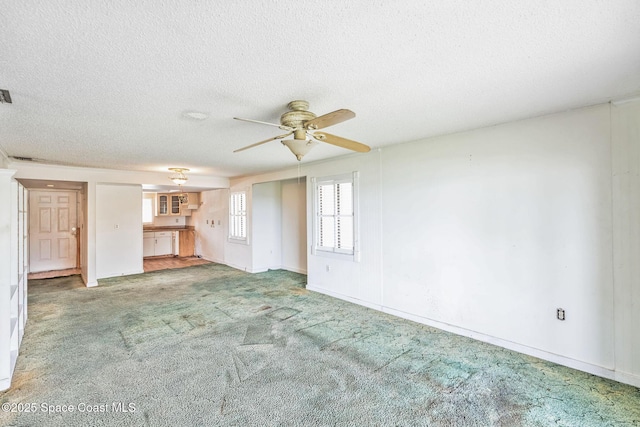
(210, 345)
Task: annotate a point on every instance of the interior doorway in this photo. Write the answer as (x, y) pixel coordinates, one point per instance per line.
(56, 217)
(53, 230)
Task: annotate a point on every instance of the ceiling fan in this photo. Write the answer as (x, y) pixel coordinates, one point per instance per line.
(303, 125)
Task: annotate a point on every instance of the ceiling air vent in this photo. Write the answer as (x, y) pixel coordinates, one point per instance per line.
(5, 98)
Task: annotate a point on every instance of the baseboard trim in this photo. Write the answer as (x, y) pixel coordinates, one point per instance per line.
(627, 378)
(261, 269)
(325, 291)
(217, 261)
(5, 384)
(295, 269)
(600, 371)
(238, 267)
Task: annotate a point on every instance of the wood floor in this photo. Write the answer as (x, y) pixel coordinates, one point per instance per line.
(167, 262)
(150, 264)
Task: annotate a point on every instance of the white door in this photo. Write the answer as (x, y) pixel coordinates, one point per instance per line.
(52, 230)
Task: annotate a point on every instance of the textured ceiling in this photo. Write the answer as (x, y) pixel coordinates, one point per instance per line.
(106, 83)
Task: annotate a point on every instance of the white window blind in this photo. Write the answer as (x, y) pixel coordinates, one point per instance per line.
(238, 215)
(335, 215)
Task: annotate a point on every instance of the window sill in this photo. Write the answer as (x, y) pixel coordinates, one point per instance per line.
(238, 241)
(334, 255)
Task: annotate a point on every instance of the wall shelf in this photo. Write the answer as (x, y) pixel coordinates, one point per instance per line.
(13, 273)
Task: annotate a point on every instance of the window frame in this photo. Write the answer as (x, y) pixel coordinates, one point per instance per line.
(152, 198)
(242, 214)
(334, 252)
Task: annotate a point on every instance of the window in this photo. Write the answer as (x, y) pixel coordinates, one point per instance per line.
(238, 215)
(335, 214)
(148, 200)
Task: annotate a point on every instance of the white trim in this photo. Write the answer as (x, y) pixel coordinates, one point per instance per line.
(5, 384)
(217, 261)
(627, 378)
(600, 371)
(119, 274)
(325, 291)
(239, 239)
(353, 179)
(294, 269)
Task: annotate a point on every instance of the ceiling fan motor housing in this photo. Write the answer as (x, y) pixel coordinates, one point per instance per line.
(295, 118)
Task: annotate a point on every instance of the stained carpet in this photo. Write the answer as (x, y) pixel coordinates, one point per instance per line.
(209, 345)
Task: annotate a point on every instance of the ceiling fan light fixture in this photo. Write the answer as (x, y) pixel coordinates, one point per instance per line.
(299, 147)
(179, 178)
(303, 124)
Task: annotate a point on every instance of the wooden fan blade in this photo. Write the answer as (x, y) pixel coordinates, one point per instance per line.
(264, 123)
(263, 142)
(341, 142)
(329, 119)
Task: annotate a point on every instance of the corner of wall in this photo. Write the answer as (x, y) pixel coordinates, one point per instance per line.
(4, 159)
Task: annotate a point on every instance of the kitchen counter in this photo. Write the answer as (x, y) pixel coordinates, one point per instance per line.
(168, 228)
(163, 241)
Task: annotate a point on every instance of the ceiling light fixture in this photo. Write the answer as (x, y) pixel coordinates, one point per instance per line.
(179, 178)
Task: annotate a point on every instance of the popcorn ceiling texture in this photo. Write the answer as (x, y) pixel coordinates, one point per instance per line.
(104, 84)
(211, 345)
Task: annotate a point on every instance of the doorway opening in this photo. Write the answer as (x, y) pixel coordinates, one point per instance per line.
(56, 220)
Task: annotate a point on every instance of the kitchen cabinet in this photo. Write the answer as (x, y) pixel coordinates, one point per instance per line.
(192, 202)
(175, 204)
(163, 204)
(169, 204)
(157, 243)
(187, 243)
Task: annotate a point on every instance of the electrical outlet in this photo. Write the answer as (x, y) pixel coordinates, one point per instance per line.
(207, 222)
(177, 220)
(560, 314)
(327, 267)
(117, 226)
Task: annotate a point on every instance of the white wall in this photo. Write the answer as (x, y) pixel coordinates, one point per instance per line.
(210, 222)
(118, 230)
(267, 226)
(277, 225)
(294, 225)
(485, 233)
(168, 221)
(494, 229)
(626, 214)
